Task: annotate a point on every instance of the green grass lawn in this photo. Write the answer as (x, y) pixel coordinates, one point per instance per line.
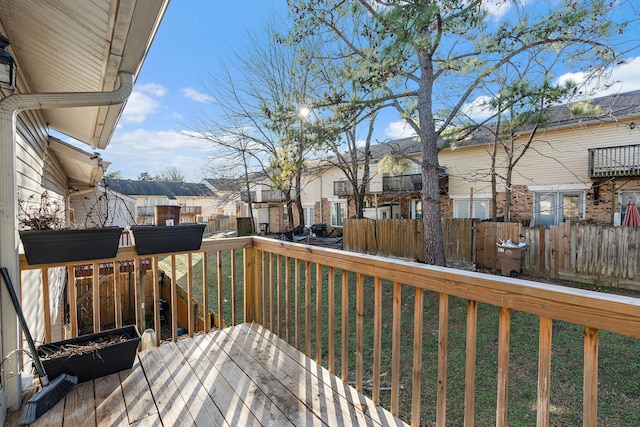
(619, 357)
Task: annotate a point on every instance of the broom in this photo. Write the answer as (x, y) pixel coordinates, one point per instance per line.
(51, 392)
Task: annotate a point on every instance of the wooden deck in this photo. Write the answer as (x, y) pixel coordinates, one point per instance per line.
(238, 376)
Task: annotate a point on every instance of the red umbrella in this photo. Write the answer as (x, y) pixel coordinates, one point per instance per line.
(632, 217)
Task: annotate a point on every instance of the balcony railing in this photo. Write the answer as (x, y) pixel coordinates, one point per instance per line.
(351, 312)
(344, 188)
(413, 182)
(151, 210)
(244, 196)
(614, 161)
(265, 196)
(145, 210)
(191, 210)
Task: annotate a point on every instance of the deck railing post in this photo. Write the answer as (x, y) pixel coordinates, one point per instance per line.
(250, 285)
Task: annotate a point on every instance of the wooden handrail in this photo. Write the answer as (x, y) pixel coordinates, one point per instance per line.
(274, 285)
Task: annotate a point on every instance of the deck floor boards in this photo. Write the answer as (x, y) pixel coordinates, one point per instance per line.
(242, 375)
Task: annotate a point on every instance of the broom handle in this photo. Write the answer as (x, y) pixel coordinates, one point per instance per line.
(16, 304)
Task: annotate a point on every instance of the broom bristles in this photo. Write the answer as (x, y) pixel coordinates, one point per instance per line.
(47, 398)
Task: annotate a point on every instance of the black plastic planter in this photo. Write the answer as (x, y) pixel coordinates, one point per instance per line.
(53, 246)
(151, 239)
(107, 358)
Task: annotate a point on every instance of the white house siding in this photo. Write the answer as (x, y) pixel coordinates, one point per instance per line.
(121, 208)
(555, 157)
(468, 168)
(31, 143)
(557, 161)
(562, 157)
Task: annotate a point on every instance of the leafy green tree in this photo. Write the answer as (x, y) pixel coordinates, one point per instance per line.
(145, 176)
(113, 175)
(431, 58)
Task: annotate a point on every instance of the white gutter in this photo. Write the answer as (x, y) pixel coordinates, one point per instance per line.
(9, 109)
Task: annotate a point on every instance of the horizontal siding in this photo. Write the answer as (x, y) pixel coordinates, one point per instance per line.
(555, 157)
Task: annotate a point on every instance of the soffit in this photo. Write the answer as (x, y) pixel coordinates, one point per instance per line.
(79, 46)
(84, 170)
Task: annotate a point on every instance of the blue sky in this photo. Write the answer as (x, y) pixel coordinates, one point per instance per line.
(170, 90)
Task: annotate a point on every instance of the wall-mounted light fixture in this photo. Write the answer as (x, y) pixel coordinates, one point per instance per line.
(7, 64)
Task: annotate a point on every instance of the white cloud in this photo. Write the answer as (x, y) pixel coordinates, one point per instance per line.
(623, 78)
(478, 108)
(196, 96)
(497, 8)
(152, 89)
(153, 151)
(138, 107)
(399, 129)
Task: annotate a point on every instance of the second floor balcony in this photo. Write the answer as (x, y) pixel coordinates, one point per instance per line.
(612, 162)
(344, 188)
(409, 183)
(265, 196)
(142, 211)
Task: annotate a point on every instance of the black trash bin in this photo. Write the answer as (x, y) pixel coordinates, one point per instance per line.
(320, 230)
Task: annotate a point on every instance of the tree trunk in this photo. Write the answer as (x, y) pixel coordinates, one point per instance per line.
(431, 217)
(298, 200)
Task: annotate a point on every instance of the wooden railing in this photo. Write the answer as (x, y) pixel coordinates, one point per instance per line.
(614, 161)
(352, 312)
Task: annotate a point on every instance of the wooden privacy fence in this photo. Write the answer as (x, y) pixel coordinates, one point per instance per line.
(578, 252)
(402, 238)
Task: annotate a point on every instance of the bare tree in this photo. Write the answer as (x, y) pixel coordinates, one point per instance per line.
(256, 116)
(171, 174)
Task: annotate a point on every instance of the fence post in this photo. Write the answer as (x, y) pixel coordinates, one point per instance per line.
(251, 293)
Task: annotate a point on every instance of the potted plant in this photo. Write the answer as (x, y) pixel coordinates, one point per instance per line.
(168, 235)
(46, 240)
(93, 355)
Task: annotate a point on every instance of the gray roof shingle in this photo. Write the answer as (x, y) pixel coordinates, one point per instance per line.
(171, 190)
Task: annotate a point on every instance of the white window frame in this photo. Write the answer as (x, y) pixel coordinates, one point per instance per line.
(416, 209)
(625, 196)
(342, 204)
(309, 214)
(461, 208)
(556, 211)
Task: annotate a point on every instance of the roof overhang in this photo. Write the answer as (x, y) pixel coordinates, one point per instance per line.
(79, 46)
(84, 170)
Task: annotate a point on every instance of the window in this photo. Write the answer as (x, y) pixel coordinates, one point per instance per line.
(480, 208)
(555, 207)
(625, 196)
(416, 209)
(309, 216)
(338, 213)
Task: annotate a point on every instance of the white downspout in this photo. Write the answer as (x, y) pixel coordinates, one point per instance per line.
(9, 109)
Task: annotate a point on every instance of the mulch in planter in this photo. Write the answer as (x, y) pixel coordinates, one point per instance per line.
(93, 355)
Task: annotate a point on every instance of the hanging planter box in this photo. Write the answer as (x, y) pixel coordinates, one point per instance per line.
(151, 239)
(53, 246)
(91, 356)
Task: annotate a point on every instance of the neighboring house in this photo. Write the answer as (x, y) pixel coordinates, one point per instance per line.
(99, 207)
(578, 168)
(83, 56)
(329, 195)
(196, 200)
(228, 196)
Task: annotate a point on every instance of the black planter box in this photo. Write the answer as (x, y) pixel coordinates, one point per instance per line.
(152, 239)
(52, 246)
(106, 360)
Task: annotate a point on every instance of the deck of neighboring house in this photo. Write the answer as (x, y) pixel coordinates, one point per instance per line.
(238, 376)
